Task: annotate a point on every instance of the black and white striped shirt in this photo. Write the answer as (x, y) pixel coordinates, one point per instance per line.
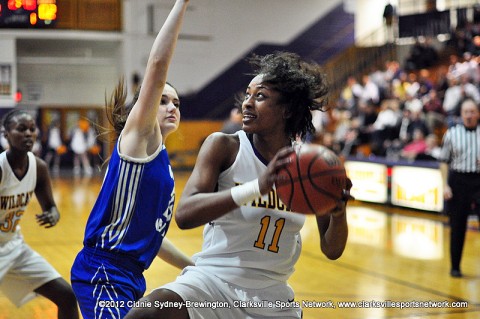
(461, 149)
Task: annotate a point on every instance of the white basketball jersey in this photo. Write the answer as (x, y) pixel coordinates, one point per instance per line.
(258, 244)
(15, 195)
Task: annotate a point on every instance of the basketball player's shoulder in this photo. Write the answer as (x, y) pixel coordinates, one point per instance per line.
(222, 141)
(220, 148)
(41, 164)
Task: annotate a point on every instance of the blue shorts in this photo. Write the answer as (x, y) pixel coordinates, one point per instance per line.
(106, 285)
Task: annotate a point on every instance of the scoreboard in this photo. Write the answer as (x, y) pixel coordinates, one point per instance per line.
(28, 13)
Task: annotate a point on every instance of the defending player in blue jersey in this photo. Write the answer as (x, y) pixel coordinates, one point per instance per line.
(127, 226)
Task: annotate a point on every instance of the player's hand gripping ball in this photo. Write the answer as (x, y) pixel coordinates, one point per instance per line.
(314, 181)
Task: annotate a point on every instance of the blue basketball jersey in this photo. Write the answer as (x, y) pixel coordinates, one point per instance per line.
(133, 210)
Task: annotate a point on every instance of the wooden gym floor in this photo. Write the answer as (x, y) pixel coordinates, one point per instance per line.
(393, 256)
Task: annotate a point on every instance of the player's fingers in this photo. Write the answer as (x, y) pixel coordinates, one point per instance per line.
(340, 209)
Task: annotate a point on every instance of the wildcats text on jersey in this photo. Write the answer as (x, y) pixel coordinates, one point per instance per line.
(15, 201)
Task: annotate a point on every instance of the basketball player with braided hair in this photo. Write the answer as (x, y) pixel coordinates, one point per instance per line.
(251, 241)
(23, 272)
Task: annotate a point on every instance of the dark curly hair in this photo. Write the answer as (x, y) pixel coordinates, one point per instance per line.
(302, 84)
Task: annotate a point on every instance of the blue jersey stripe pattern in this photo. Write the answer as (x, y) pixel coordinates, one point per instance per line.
(124, 204)
(134, 208)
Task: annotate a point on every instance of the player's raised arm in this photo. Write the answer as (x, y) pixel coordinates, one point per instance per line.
(141, 134)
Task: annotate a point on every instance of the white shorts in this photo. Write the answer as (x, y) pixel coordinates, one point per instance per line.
(208, 297)
(23, 270)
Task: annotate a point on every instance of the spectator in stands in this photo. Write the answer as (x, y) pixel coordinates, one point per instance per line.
(413, 104)
(413, 87)
(425, 84)
(363, 123)
(234, 121)
(441, 83)
(411, 121)
(433, 151)
(350, 94)
(460, 169)
(400, 86)
(343, 127)
(370, 91)
(455, 94)
(82, 138)
(468, 89)
(417, 146)
(385, 127)
(327, 139)
(55, 147)
(471, 69)
(433, 111)
(379, 77)
(37, 146)
(319, 120)
(455, 68)
(474, 47)
(392, 70)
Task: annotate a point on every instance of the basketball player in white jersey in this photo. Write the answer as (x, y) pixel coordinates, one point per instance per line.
(251, 241)
(23, 272)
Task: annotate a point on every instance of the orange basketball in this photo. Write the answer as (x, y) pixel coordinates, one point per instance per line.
(313, 182)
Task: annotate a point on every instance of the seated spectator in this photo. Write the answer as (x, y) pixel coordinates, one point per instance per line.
(320, 120)
(432, 153)
(457, 91)
(370, 91)
(385, 128)
(409, 122)
(362, 124)
(414, 87)
(471, 69)
(400, 86)
(418, 145)
(392, 71)
(455, 68)
(433, 110)
(343, 127)
(425, 84)
(350, 94)
(474, 46)
(413, 104)
(328, 140)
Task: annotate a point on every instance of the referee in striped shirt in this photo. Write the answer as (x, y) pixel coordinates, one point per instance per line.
(460, 168)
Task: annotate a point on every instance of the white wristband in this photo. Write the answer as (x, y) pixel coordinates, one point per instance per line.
(245, 193)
